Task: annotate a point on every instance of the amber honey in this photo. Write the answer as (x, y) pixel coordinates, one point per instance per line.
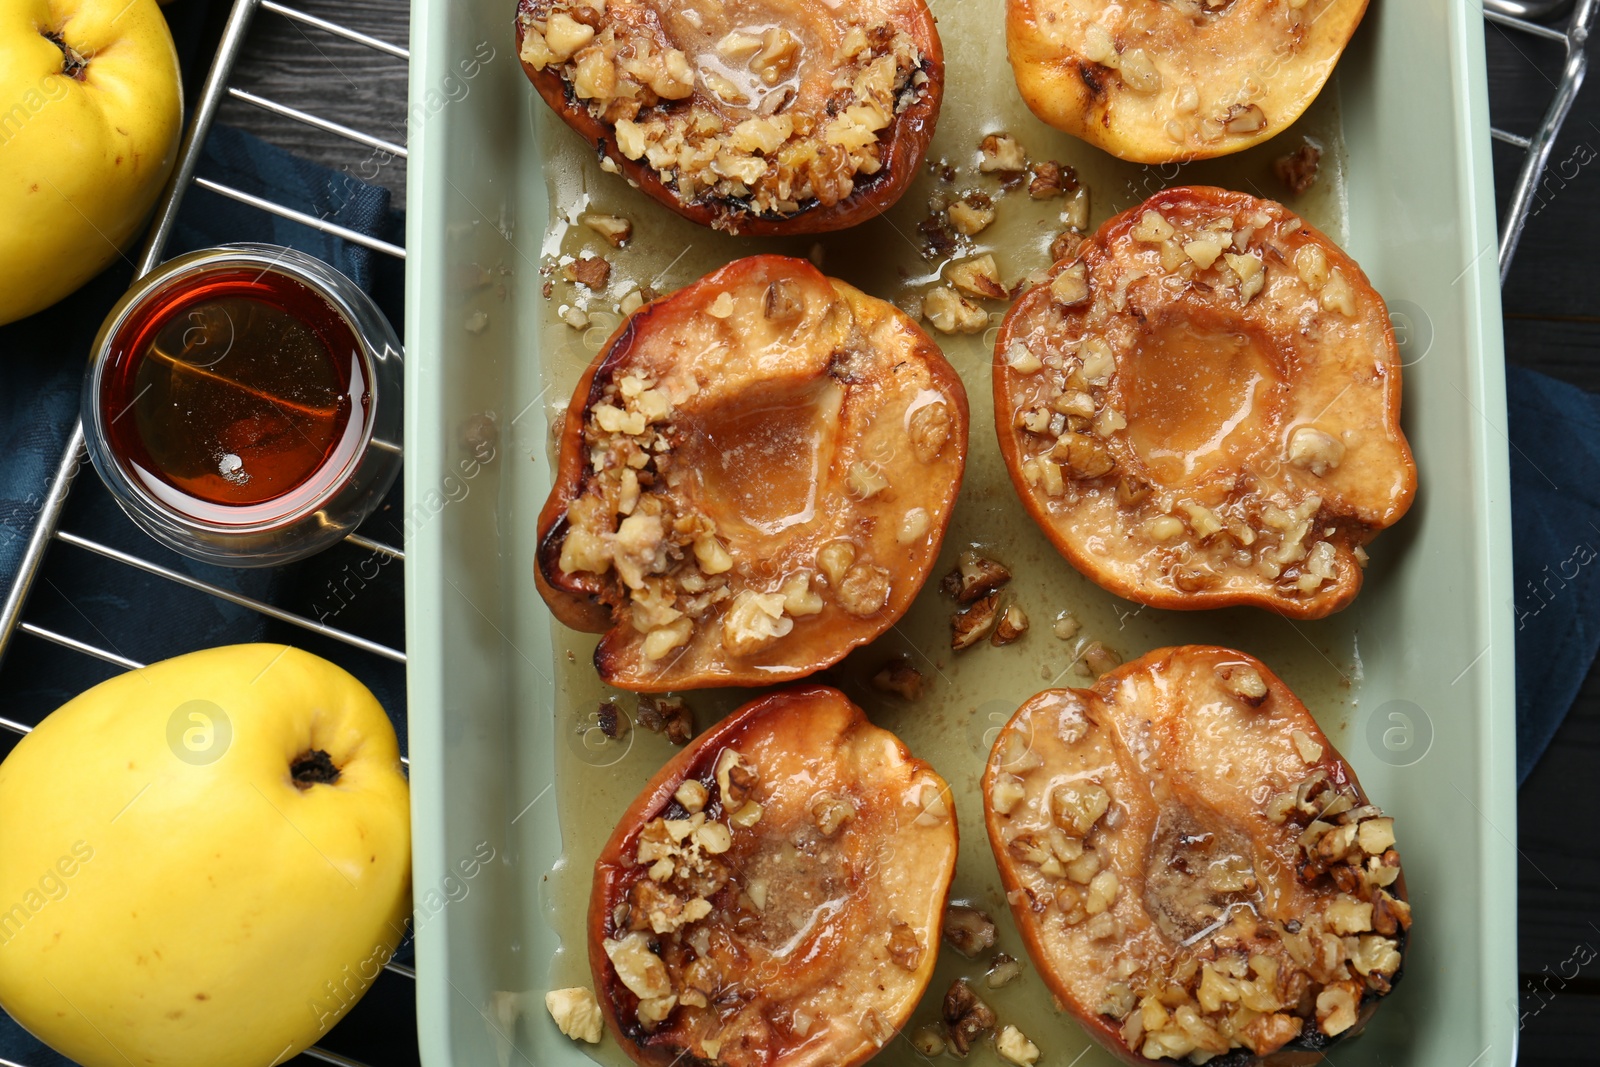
(237, 398)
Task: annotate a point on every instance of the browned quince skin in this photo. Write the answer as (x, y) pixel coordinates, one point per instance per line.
(755, 117)
(1201, 408)
(1194, 869)
(774, 897)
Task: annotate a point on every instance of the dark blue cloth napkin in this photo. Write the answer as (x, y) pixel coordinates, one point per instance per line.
(1555, 516)
(147, 618)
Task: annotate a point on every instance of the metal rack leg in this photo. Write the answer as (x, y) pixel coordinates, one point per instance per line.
(44, 529)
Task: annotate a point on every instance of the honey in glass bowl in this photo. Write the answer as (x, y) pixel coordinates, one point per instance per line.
(232, 405)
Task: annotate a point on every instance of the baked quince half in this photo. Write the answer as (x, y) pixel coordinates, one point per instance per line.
(756, 117)
(755, 477)
(1202, 408)
(1163, 81)
(1193, 868)
(774, 897)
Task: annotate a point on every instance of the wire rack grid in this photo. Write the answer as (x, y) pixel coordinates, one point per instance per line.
(1516, 15)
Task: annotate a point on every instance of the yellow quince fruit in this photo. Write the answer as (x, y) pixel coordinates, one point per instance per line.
(90, 112)
(203, 863)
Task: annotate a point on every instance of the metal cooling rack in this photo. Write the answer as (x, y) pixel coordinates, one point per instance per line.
(1516, 15)
(46, 531)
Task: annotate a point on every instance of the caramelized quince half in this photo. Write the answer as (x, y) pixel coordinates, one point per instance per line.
(774, 897)
(756, 117)
(1202, 408)
(1162, 81)
(755, 477)
(1194, 869)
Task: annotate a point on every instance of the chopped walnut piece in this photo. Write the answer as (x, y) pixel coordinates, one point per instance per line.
(666, 715)
(1244, 682)
(591, 271)
(904, 948)
(968, 930)
(1298, 169)
(864, 590)
(692, 795)
(576, 1013)
(1012, 625)
(1065, 245)
(1077, 806)
(1389, 914)
(1051, 179)
(1376, 836)
(978, 277)
(873, 1025)
(972, 214)
(928, 1041)
(1003, 154)
(975, 577)
(610, 719)
(1309, 750)
(900, 678)
(1076, 213)
(1003, 970)
(834, 559)
(1244, 118)
(829, 812)
(950, 312)
(782, 301)
(614, 228)
(1100, 659)
(929, 430)
(638, 968)
(754, 621)
(736, 779)
(865, 481)
(747, 816)
(1007, 793)
(973, 624)
(1315, 450)
(1070, 288)
(1015, 1048)
(1338, 1007)
(967, 1018)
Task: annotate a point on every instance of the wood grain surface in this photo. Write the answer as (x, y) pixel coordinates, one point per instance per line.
(1552, 304)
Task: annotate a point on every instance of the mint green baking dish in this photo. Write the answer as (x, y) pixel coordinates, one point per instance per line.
(511, 799)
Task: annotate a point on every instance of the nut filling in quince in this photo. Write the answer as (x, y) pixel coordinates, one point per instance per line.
(1201, 408)
(775, 895)
(1194, 869)
(755, 477)
(751, 117)
(1157, 81)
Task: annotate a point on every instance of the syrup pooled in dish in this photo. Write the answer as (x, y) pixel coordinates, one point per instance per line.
(754, 117)
(1161, 81)
(774, 897)
(1194, 869)
(755, 477)
(1202, 408)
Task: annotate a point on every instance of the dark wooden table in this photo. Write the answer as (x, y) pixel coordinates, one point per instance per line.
(1552, 308)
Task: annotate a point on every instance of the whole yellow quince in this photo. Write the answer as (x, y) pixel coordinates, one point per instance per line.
(203, 863)
(90, 112)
